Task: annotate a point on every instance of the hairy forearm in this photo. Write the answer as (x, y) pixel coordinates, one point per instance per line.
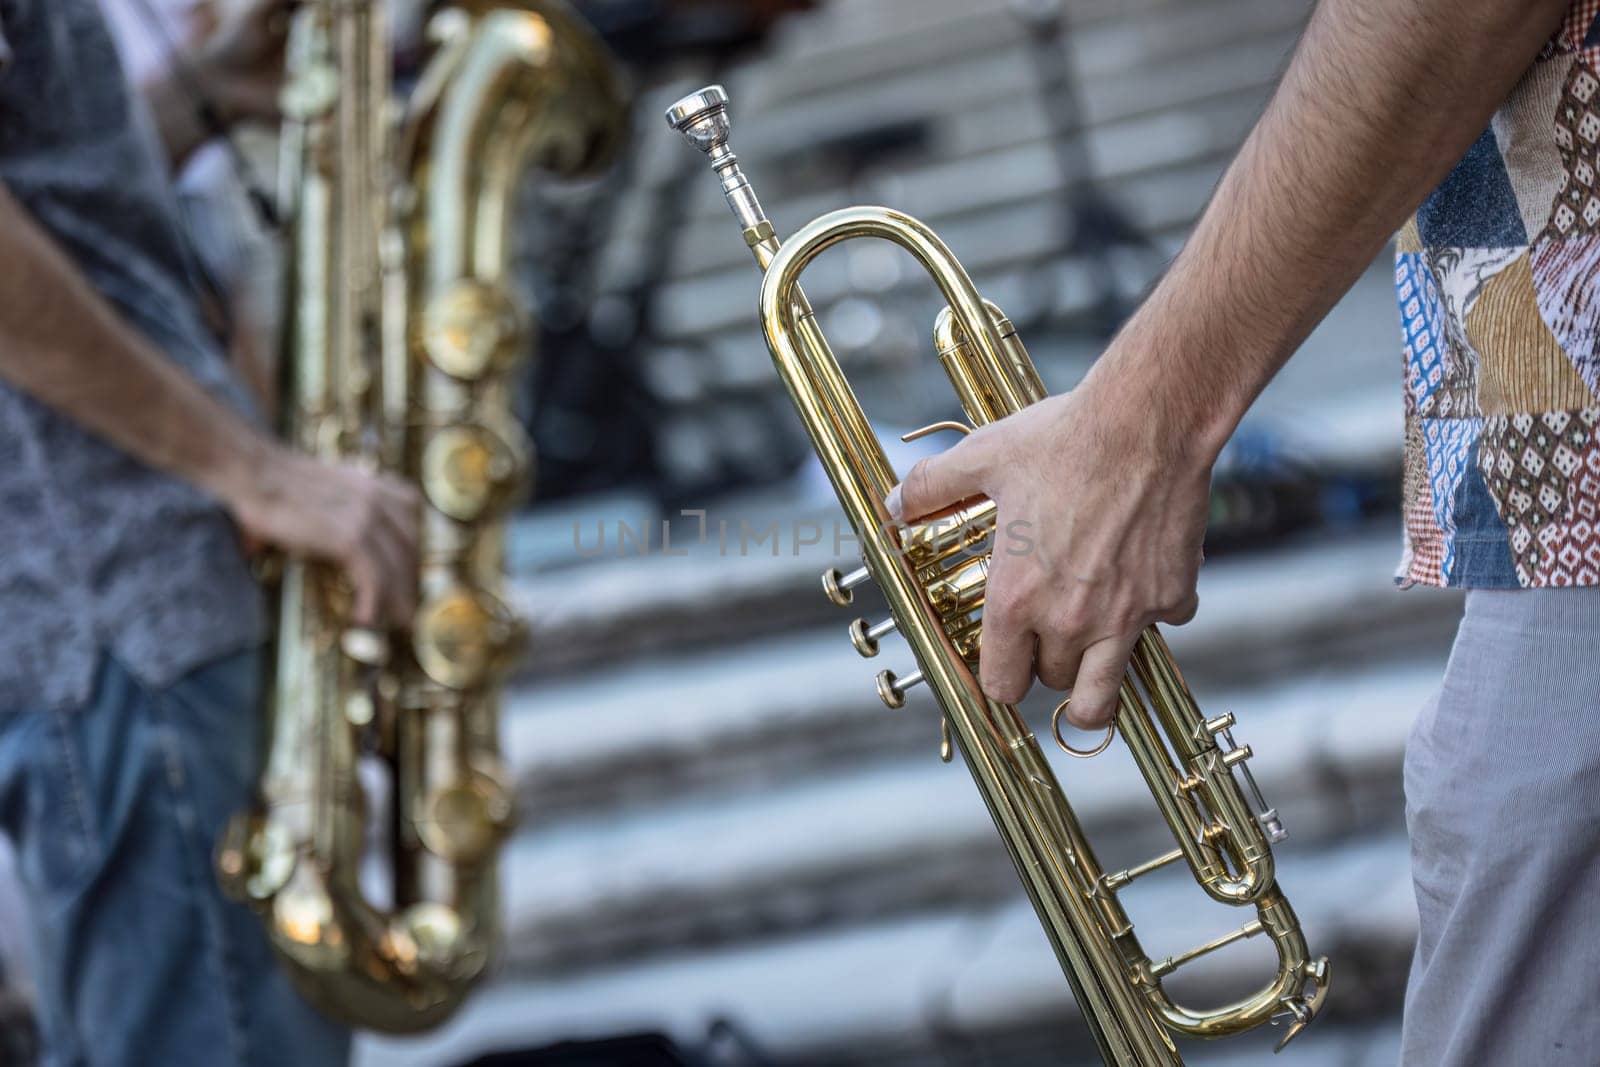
(64, 345)
(1381, 99)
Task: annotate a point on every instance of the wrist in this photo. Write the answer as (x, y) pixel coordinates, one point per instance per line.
(1159, 399)
(246, 475)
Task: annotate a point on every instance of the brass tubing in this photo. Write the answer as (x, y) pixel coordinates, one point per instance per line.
(1171, 963)
(1184, 726)
(960, 531)
(1118, 879)
(1296, 969)
(935, 599)
(959, 590)
(1005, 762)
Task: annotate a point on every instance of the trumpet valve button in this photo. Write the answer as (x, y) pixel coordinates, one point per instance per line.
(1222, 722)
(892, 689)
(837, 585)
(865, 638)
(1236, 756)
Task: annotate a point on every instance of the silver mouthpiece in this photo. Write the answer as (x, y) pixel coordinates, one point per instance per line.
(702, 117)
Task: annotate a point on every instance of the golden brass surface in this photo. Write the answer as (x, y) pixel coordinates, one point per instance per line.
(402, 338)
(473, 328)
(932, 574)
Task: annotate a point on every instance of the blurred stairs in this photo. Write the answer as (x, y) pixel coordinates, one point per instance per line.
(723, 831)
(1064, 207)
(731, 828)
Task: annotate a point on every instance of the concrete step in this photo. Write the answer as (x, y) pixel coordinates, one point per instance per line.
(771, 849)
(645, 611)
(938, 109)
(956, 985)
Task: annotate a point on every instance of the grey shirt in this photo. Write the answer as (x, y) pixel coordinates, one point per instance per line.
(100, 554)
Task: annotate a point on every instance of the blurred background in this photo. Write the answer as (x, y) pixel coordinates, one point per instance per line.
(730, 852)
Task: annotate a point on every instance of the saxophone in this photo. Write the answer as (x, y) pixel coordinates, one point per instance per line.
(933, 573)
(401, 344)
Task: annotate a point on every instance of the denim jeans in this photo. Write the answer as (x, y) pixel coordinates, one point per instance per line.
(113, 809)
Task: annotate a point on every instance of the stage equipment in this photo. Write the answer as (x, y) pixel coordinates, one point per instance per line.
(402, 343)
(932, 573)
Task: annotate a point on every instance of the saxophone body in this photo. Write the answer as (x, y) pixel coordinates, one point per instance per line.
(371, 853)
(933, 572)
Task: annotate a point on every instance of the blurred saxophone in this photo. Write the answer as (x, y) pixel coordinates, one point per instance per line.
(933, 574)
(400, 349)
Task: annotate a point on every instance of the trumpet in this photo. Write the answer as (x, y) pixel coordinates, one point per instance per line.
(932, 574)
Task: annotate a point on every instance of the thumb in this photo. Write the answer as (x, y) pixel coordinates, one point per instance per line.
(937, 482)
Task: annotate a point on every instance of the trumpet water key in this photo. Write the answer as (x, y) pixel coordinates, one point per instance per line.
(933, 576)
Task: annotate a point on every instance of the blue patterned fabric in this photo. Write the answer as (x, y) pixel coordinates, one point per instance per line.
(98, 551)
(1498, 283)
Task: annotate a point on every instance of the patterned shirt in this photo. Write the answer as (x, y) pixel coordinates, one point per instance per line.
(1498, 277)
(99, 553)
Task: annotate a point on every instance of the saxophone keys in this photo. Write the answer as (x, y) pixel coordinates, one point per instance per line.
(865, 638)
(837, 586)
(472, 330)
(892, 689)
(427, 935)
(463, 822)
(365, 646)
(311, 94)
(254, 857)
(464, 637)
(469, 470)
(360, 709)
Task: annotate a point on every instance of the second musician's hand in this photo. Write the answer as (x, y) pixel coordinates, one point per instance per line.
(241, 58)
(362, 520)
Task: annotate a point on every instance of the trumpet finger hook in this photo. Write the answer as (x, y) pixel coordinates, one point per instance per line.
(949, 424)
(1080, 753)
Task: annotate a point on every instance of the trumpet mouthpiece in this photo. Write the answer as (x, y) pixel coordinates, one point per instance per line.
(702, 117)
